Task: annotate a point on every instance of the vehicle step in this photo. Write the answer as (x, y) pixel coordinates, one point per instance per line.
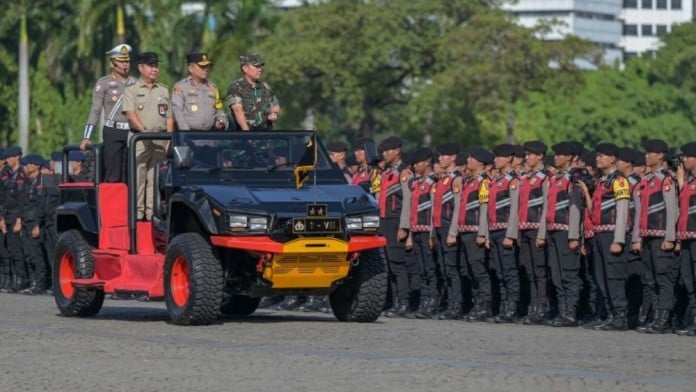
(87, 283)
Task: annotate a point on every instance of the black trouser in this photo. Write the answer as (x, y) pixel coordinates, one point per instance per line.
(564, 265)
(5, 265)
(414, 271)
(16, 251)
(33, 255)
(49, 244)
(660, 272)
(450, 269)
(588, 278)
(475, 261)
(611, 271)
(398, 275)
(533, 259)
(426, 264)
(506, 263)
(115, 157)
(688, 271)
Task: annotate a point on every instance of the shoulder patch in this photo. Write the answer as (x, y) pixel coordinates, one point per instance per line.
(405, 174)
(513, 184)
(177, 90)
(667, 184)
(483, 192)
(621, 189)
(457, 185)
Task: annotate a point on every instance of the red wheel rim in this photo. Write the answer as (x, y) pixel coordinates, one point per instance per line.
(66, 271)
(180, 281)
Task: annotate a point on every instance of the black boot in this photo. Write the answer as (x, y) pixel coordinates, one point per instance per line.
(507, 313)
(310, 305)
(453, 312)
(32, 288)
(535, 315)
(689, 330)
(291, 302)
(617, 321)
(644, 320)
(5, 285)
(429, 308)
(661, 323)
(400, 309)
(566, 318)
(481, 313)
(19, 284)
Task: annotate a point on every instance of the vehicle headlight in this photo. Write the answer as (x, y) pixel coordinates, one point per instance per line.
(364, 222)
(244, 222)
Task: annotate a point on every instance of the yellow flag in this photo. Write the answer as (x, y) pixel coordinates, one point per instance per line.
(307, 162)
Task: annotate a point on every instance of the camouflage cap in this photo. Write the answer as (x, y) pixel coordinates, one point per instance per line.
(253, 59)
(120, 52)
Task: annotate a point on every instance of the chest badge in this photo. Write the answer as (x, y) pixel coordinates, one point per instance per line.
(194, 108)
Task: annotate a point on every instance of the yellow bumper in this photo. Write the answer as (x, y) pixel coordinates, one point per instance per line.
(308, 263)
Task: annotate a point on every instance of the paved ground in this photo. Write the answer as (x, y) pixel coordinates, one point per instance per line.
(130, 346)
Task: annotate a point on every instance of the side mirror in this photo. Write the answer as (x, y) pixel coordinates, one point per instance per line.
(183, 156)
(371, 154)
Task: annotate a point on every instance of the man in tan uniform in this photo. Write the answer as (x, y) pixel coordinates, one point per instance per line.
(148, 108)
(196, 101)
(108, 96)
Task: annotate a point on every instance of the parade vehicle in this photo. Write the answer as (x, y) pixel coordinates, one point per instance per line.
(236, 216)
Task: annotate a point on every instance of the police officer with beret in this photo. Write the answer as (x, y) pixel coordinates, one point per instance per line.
(33, 224)
(686, 233)
(394, 199)
(11, 224)
(533, 258)
(657, 229)
(196, 102)
(107, 97)
(254, 105)
(503, 231)
(560, 232)
(472, 220)
(611, 227)
(5, 266)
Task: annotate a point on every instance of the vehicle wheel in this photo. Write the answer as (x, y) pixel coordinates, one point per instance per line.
(239, 305)
(73, 259)
(361, 297)
(193, 281)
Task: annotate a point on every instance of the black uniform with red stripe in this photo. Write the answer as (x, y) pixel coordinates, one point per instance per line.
(533, 258)
(363, 178)
(420, 229)
(33, 218)
(391, 198)
(473, 208)
(657, 223)
(611, 220)
(445, 193)
(13, 183)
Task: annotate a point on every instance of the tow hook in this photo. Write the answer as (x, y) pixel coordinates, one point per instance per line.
(355, 259)
(264, 261)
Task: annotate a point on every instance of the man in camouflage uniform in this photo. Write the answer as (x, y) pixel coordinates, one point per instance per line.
(108, 96)
(196, 101)
(253, 104)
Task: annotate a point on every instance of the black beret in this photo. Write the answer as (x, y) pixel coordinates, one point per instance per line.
(549, 161)
(148, 58)
(450, 148)
(337, 147)
(391, 143)
(33, 159)
(481, 154)
(608, 149)
(421, 154)
(627, 154)
(13, 151)
(535, 147)
(589, 157)
(563, 148)
(406, 157)
(655, 145)
(360, 144)
(504, 150)
(519, 151)
(461, 159)
(576, 147)
(640, 159)
(2, 154)
(76, 156)
(351, 160)
(56, 156)
(689, 149)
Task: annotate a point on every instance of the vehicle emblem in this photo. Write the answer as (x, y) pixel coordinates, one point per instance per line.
(299, 226)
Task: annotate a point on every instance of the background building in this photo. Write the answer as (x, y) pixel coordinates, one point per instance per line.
(644, 21)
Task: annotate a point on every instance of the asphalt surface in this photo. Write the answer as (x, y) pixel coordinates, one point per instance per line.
(131, 346)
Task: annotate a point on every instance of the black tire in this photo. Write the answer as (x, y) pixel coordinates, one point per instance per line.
(73, 259)
(190, 262)
(362, 295)
(239, 305)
